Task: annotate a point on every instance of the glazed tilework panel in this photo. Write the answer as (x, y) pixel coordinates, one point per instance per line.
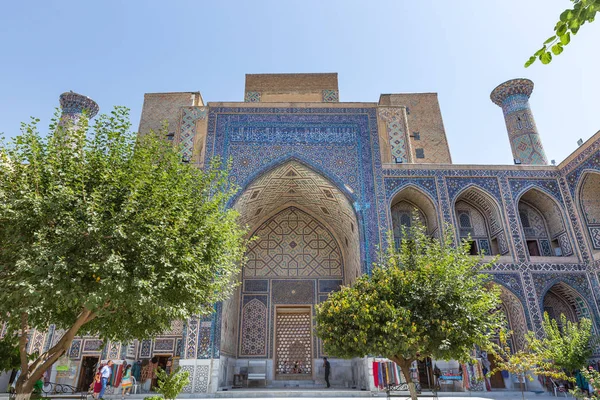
(293, 292)
(331, 96)
(556, 306)
(293, 244)
(254, 325)
(187, 131)
(522, 132)
(572, 287)
(256, 285)
(395, 126)
(588, 161)
(296, 184)
(340, 144)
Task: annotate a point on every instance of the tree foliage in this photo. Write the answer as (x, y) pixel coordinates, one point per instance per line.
(426, 299)
(564, 348)
(569, 23)
(102, 232)
(568, 345)
(522, 362)
(170, 385)
(9, 354)
(591, 377)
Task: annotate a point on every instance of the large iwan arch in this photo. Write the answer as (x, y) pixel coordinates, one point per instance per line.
(305, 243)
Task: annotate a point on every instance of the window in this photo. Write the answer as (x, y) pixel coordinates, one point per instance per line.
(416, 136)
(405, 220)
(534, 249)
(473, 251)
(495, 248)
(420, 153)
(464, 220)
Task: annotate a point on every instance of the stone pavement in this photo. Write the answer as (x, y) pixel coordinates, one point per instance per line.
(342, 395)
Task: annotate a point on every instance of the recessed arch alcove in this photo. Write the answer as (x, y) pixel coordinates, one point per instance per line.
(478, 216)
(305, 244)
(405, 203)
(544, 225)
(589, 205)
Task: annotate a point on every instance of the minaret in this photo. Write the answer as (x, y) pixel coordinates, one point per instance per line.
(513, 97)
(73, 104)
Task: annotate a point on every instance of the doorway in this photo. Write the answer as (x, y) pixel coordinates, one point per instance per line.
(89, 365)
(164, 363)
(496, 379)
(293, 343)
(425, 373)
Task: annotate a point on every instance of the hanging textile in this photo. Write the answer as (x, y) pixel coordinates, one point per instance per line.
(376, 373)
(136, 370)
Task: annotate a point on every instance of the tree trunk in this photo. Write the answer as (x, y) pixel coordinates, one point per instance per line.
(405, 368)
(31, 373)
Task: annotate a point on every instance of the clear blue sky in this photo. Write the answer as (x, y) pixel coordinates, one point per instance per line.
(115, 52)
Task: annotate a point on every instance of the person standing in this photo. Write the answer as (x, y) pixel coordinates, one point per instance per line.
(105, 374)
(96, 386)
(126, 382)
(327, 367)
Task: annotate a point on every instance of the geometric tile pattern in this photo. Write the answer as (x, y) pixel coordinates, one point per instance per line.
(114, 350)
(252, 97)
(595, 236)
(254, 329)
(202, 378)
(295, 184)
(189, 117)
(513, 97)
(293, 244)
(190, 369)
(513, 309)
(205, 339)
(395, 126)
(75, 350)
(331, 96)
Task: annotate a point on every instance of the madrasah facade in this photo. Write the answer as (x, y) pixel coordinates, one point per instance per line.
(321, 183)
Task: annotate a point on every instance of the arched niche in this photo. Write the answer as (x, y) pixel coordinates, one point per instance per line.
(561, 298)
(589, 205)
(305, 244)
(515, 317)
(478, 216)
(544, 225)
(405, 204)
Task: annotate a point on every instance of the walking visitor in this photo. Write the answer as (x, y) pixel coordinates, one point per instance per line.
(127, 382)
(105, 373)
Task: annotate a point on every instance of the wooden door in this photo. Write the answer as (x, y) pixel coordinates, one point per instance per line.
(293, 343)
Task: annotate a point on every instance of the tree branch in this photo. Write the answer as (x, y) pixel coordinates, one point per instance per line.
(23, 344)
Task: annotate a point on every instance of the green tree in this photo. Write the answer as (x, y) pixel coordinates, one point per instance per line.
(523, 362)
(589, 376)
(569, 23)
(9, 354)
(564, 348)
(170, 385)
(102, 232)
(426, 299)
(568, 345)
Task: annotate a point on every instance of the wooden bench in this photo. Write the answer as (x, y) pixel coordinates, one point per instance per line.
(257, 371)
(401, 390)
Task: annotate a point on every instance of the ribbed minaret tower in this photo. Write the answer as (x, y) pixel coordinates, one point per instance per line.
(513, 97)
(73, 104)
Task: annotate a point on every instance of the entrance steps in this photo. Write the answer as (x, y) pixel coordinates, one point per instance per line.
(317, 391)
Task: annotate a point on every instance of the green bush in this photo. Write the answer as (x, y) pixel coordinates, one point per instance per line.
(170, 385)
